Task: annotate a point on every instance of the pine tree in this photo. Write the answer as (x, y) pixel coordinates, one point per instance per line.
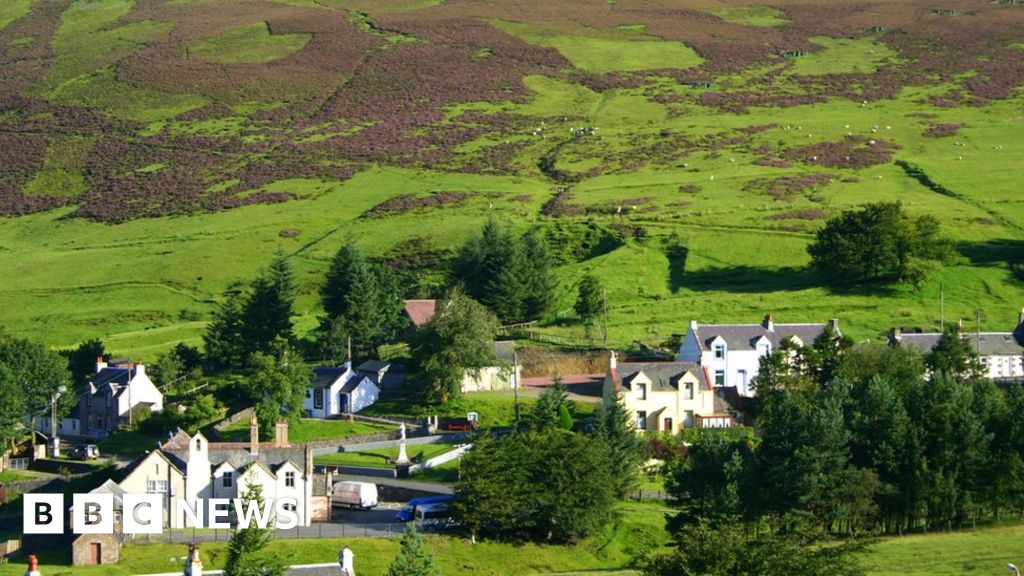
(361, 299)
(266, 315)
(246, 543)
(615, 427)
(589, 299)
(546, 412)
(537, 277)
(223, 337)
(413, 558)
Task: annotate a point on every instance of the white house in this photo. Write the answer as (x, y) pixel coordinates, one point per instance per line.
(1001, 353)
(339, 390)
(114, 392)
(192, 468)
(732, 352)
(505, 376)
(671, 396)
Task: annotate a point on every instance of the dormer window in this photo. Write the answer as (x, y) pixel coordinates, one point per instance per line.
(719, 351)
(227, 478)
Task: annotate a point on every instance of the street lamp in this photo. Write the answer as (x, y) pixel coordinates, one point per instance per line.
(55, 450)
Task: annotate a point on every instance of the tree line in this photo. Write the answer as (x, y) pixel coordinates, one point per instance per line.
(852, 442)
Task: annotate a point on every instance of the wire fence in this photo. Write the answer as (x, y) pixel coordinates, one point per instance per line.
(317, 530)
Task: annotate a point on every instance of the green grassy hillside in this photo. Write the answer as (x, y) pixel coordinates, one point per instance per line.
(166, 149)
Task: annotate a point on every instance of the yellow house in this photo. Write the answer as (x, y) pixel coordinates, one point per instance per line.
(670, 396)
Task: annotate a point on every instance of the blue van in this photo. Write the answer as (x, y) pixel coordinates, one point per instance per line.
(408, 513)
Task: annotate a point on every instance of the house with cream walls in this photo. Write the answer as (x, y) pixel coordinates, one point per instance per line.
(670, 396)
(732, 353)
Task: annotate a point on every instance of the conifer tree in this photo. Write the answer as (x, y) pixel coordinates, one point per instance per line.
(413, 559)
(246, 543)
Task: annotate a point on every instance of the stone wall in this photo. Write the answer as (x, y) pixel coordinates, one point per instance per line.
(82, 549)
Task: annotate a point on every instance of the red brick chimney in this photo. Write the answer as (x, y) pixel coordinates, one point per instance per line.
(769, 323)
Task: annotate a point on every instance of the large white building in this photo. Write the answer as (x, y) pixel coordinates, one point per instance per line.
(732, 353)
(1001, 353)
(193, 468)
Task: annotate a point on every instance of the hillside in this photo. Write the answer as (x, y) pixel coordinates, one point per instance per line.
(153, 151)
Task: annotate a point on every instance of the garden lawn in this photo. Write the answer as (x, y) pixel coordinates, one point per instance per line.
(310, 429)
(379, 458)
(130, 443)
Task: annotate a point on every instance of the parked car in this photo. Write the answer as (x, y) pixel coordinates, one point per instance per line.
(461, 425)
(408, 512)
(362, 495)
(86, 452)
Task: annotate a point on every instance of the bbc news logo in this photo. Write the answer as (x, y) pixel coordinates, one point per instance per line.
(144, 513)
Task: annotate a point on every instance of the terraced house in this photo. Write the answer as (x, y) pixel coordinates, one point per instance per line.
(1001, 353)
(731, 353)
(671, 396)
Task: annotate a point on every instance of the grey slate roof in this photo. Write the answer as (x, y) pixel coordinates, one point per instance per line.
(324, 376)
(985, 344)
(373, 366)
(745, 336)
(663, 375)
(237, 454)
(113, 375)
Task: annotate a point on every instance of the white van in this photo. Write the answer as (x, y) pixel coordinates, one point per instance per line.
(362, 495)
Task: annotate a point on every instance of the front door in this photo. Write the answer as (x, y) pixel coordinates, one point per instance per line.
(343, 403)
(95, 553)
(668, 425)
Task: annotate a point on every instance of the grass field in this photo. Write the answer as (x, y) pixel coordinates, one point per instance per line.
(381, 458)
(309, 429)
(249, 44)
(984, 551)
(698, 117)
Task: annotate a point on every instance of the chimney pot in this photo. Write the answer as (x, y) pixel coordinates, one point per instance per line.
(769, 323)
(693, 325)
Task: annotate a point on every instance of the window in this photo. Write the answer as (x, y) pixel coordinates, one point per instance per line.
(289, 479)
(228, 477)
(156, 486)
(156, 468)
(668, 425)
(318, 399)
(719, 351)
(688, 419)
(641, 420)
(741, 377)
(641, 391)
(309, 394)
(199, 444)
(719, 377)
(687, 391)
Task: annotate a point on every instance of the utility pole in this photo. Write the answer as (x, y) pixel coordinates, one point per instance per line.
(515, 383)
(942, 306)
(604, 327)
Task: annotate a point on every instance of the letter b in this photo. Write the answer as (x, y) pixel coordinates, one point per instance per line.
(43, 514)
(93, 514)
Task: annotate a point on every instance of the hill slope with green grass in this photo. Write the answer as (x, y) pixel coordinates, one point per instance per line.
(685, 155)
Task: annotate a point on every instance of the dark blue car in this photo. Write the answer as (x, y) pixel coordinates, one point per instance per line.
(407, 513)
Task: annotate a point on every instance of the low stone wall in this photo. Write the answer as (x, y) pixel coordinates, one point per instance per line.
(440, 459)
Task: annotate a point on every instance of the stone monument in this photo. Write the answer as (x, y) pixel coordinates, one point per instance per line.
(193, 565)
